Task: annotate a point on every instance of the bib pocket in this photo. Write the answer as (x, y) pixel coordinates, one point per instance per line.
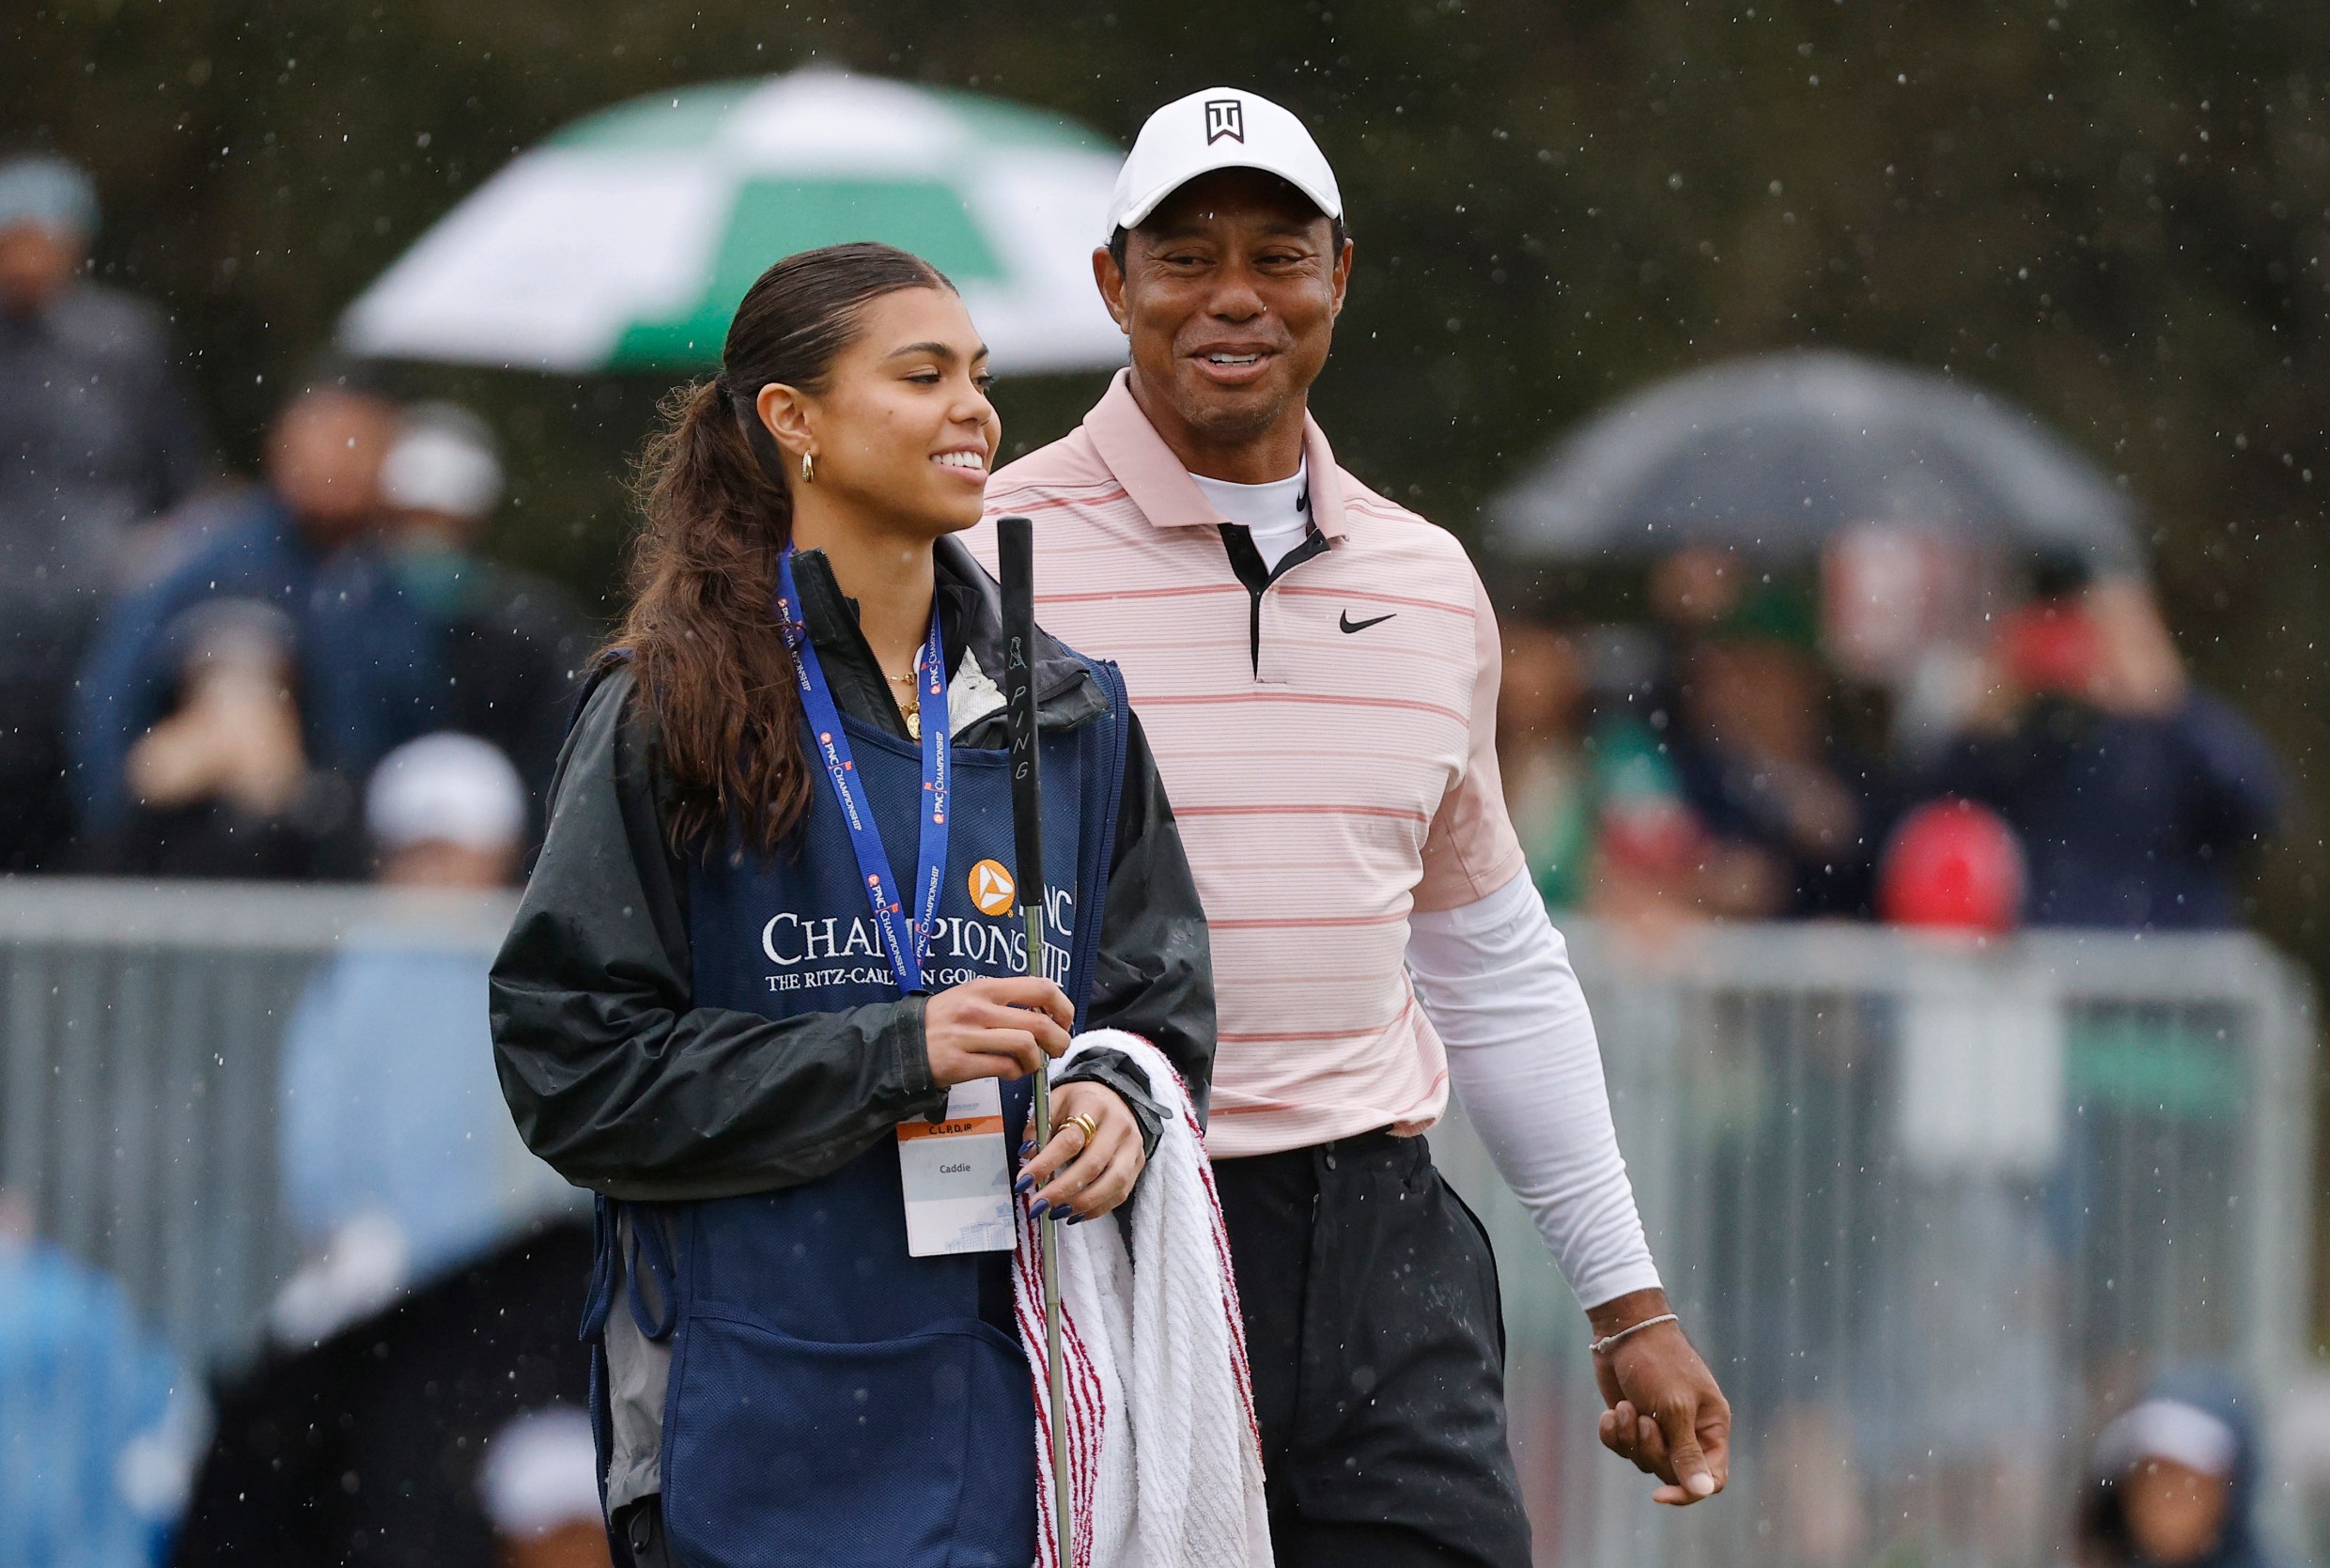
(913, 1453)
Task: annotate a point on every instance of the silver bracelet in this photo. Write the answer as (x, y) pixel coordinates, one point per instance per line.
(1601, 1345)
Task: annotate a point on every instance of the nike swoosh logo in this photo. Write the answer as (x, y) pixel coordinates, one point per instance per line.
(1350, 625)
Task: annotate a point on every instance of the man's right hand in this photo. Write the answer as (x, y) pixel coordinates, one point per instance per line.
(1666, 1413)
(995, 1028)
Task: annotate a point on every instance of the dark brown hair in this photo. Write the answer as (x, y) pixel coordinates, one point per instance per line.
(717, 498)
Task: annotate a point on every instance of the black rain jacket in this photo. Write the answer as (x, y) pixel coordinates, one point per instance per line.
(626, 1087)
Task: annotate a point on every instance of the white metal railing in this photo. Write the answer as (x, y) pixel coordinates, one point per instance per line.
(1932, 1211)
(141, 1027)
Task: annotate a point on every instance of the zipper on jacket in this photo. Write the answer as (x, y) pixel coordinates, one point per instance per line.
(1246, 561)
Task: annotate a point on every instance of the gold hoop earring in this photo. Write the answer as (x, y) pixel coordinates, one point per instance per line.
(809, 469)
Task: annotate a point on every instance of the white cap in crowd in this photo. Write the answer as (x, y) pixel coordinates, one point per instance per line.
(541, 1472)
(2173, 1430)
(446, 789)
(43, 192)
(443, 460)
(1220, 128)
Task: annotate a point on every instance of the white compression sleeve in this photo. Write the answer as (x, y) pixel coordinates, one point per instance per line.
(1495, 979)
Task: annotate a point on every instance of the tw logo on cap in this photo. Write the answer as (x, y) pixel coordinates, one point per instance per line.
(1224, 116)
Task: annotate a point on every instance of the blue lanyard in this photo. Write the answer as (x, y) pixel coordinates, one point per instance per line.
(905, 940)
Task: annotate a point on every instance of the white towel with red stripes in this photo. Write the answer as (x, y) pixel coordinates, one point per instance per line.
(1164, 1458)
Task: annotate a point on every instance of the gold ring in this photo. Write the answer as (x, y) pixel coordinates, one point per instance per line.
(1092, 1129)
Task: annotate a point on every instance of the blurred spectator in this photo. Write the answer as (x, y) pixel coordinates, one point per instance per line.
(1762, 769)
(1542, 709)
(368, 1451)
(99, 1425)
(434, 1321)
(364, 661)
(98, 432)
(512, 641)
(399, 1160)
(2174, 1484)
(1818, 1486)
(1902, 613)
(1695, 588)
(222, 787)
(541, 1491)
(2132, 791)
(1598, 803)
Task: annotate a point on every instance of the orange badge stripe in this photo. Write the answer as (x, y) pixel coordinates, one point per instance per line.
(970, 1127)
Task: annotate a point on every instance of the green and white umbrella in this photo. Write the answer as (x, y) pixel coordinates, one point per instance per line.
(626, 240)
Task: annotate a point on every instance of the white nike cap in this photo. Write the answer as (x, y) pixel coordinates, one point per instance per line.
(1220, 128)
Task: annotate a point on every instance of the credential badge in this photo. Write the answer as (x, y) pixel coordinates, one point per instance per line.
(1224, 116)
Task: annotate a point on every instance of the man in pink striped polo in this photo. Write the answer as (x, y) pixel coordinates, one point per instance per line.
(1316, 669)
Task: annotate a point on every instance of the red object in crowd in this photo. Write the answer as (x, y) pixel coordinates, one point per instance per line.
(1656, 834)
(1952, 864)
(2050, 647)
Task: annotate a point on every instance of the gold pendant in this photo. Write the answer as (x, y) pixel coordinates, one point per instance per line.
(914, 723)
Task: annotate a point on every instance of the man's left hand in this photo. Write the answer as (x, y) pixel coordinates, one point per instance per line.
(1666, 1413)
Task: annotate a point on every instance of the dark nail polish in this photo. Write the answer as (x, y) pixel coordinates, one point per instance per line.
(1028, 1148)
(1035, 1210)
(1024, 1184)
(1063, 1212)
(1078, 1219)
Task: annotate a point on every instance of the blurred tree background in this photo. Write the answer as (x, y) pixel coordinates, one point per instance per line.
(2115, 210)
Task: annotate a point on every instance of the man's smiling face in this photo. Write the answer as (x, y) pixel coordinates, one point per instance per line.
(1229, 293)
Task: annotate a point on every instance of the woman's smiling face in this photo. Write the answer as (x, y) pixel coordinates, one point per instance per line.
(902, 429)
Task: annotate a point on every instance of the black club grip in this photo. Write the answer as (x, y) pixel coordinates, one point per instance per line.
(1015, 551)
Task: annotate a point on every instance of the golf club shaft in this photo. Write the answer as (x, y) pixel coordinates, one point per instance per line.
(1015, 541)
(1048, 1239)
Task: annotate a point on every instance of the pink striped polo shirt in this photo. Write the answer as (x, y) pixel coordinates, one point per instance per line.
(1329, 775)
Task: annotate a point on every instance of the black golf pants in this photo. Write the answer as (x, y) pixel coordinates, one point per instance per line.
(1377, 1341)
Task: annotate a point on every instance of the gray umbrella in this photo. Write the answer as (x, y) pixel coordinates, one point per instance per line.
(1775, 454)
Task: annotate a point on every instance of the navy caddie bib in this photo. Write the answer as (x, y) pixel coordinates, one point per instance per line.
(833, 1400)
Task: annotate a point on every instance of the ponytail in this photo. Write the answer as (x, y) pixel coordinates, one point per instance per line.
(701, 634)
(717, 503)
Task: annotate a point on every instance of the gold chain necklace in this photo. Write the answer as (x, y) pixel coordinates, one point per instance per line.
(911, 709)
